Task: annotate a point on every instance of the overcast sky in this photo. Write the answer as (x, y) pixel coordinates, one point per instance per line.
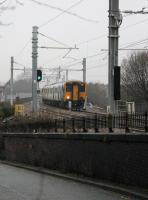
(88, 30)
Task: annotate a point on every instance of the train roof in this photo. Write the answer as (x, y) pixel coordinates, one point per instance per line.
(62, 83)
(74, 81)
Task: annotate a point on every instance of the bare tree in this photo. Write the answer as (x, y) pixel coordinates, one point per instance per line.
(135, 77)
(97, 94)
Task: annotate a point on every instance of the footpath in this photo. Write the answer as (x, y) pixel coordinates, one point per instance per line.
(131, 192)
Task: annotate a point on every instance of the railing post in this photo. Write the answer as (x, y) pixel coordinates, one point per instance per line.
(126, 124)
(55, 125)
(49, 125)
(96, 123)
(64, 125)
(84, 124)
(146, 122)
(73, 125)
(110, 123)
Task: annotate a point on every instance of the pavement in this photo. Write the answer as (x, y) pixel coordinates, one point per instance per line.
(122, 191)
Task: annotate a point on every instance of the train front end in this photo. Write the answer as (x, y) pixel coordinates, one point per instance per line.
(75, 91)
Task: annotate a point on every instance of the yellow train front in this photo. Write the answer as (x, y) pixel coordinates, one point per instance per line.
(60, 94)
(75, 91)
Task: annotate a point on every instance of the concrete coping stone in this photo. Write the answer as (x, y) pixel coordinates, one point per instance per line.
(128, 138)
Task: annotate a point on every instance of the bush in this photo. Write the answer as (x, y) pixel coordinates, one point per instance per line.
(6, 110)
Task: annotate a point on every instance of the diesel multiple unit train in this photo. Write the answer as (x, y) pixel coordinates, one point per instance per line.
(60, 94)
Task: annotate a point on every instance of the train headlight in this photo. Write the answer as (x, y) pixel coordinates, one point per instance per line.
(68, 97)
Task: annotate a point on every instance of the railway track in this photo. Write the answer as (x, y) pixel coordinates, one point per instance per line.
(47, 111)
(62, 113)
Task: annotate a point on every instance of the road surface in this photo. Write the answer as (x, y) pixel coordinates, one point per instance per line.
(21, 184)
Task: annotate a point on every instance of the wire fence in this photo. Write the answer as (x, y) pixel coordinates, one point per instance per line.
(93, 123)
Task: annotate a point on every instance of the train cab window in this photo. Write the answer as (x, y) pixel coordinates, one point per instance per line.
(82, 87)
(68, 87)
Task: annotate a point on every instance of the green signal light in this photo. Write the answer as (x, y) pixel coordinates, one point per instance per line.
(39, 75)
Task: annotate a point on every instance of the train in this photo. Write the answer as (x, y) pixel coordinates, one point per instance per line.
(60, 94)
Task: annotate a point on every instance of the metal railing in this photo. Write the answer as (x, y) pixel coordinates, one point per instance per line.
(93, 123)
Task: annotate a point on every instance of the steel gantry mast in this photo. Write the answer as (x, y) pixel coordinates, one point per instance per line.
(115, 20)
(34, 68)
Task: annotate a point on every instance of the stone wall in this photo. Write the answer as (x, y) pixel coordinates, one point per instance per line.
(117, 158)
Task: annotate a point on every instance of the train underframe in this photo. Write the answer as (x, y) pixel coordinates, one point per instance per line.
(77, 105)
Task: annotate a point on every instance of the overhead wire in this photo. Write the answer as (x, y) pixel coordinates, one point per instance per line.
(104, 35)
(24, 47)
(93, 39)
(72, 6)
(57, 16)
(17, 63)
(135, 24)
(65, 11)
(51, 38)
(136, 43)
(97, 66)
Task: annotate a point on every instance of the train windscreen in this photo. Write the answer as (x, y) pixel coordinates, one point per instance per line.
(68, 87)
(81, 87)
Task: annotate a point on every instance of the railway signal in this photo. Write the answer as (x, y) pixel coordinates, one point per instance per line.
(39, 75)
(117, 83)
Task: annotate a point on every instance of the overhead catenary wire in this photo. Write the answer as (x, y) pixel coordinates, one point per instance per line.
(132, 44)
(104, 35)
(88, 56)
(65, 11)
(24, 47)
(136, 43)
(57, 16)
(51, 38)
(69, 48)
(99, 37)
(97, 66)
(20, 64)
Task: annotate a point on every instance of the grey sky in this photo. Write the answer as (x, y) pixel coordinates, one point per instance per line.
(69, 30)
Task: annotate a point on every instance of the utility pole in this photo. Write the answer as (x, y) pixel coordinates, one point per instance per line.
(34, 69)
(11, 82)
(84, 70)
(114, 24)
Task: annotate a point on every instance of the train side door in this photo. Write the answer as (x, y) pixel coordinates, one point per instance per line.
(75, 92)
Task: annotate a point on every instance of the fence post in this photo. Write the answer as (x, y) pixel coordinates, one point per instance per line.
(146, 122)
(64, 125)
(84, 124)
(55, 125)
(126, 124)
(110, 123)
(96, 123)
(49, 126)
(73, 125)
